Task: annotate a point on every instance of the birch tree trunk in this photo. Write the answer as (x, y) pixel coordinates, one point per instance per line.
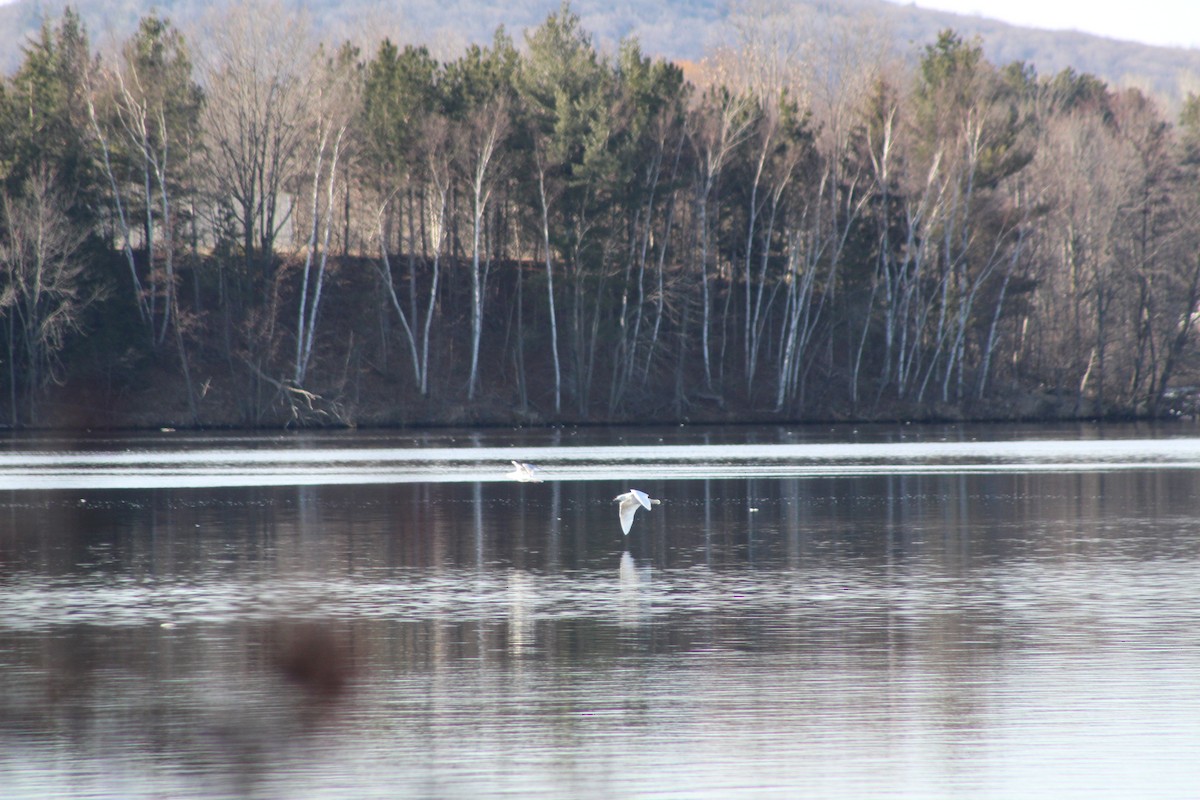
(545, 208)
(486, 128)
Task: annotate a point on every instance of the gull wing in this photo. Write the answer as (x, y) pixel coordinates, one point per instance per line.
(629, 506)
(640, 497)
(526, 473)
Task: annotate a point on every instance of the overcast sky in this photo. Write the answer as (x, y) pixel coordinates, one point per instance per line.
(1161, 22)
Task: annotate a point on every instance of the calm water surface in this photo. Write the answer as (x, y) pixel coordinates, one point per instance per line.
(883, 612)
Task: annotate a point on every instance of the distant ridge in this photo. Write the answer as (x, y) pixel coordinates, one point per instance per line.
(676, 29)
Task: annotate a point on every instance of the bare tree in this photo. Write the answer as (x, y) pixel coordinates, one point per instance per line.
(770, 48)
(42, 294)
(544, 203)
(1085, 174)
(719, 125)
(151, 107)
(258, 82)
(654, 218)
(483, 134)
(96, 89)
(437, 163)
(334, 107)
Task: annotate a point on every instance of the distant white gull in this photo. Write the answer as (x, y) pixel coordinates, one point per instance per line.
(526, 473)
(630, 501)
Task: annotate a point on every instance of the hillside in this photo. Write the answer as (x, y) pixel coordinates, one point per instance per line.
(677, 30)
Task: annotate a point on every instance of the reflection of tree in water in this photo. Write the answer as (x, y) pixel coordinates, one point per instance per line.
(173, 709)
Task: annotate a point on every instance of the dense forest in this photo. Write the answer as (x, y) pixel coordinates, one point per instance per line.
(262, 228)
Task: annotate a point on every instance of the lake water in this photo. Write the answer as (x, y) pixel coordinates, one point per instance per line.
(884, 612)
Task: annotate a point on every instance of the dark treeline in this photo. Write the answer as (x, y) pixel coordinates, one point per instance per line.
(256, 228)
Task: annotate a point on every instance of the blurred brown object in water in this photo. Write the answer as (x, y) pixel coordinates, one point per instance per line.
(314, 657)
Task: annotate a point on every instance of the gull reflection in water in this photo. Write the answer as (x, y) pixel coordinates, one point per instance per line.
(633, 597)
(520, 597)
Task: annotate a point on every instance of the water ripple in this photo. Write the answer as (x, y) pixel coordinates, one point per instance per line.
(288, 466)
(1025, 595)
